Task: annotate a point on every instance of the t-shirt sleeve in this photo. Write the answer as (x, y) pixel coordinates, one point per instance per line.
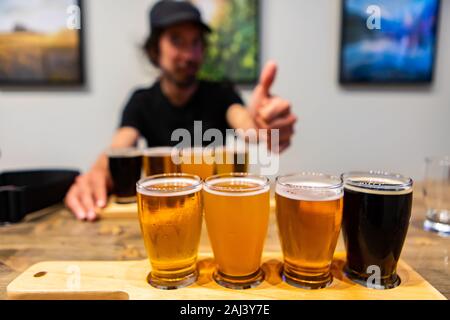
(131, 114)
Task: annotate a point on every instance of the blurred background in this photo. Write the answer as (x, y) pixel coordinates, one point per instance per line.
(340, 127)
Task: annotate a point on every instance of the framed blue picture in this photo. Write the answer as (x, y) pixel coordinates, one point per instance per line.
(385, 41)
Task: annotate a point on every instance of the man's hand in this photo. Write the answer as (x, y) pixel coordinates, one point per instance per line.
(272, 112)
(88, 194)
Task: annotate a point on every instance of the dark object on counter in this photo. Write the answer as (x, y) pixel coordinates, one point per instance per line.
(23, 192)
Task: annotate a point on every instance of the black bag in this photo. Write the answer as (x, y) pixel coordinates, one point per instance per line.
(23, 192)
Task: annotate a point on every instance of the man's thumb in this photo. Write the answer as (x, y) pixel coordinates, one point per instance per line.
(268, 77)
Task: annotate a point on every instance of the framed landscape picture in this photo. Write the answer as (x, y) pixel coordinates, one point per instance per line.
(400, 50)
(233, 50)
(36, 45)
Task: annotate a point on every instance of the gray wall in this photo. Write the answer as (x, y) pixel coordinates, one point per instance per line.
(339, 129)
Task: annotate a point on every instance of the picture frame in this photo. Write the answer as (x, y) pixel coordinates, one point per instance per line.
(382, 67)
(41, 52)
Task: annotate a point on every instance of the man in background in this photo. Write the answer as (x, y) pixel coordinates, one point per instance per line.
(177, 46)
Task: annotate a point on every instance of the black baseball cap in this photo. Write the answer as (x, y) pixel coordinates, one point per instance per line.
(167, 13)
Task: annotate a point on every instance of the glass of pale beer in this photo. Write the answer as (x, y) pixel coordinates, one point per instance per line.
(170, 215)
(309, 215)
(159, 160)
(237, 216)
(197, 161)
(231, 159)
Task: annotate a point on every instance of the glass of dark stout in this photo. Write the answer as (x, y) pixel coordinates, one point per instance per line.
(377, 211)
(125, 167)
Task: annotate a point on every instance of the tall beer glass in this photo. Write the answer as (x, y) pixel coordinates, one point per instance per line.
(237, 216)
(170, 215)
(309, 214)
(159, 160)
(377, 209)
(125, 167)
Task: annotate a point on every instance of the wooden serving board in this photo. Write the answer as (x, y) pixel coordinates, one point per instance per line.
(127, 280)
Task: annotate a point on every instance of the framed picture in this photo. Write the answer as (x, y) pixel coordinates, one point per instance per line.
(385, 41)
(233, 46)
(37, 46)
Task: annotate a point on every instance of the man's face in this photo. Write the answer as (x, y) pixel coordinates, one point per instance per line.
(181, 51)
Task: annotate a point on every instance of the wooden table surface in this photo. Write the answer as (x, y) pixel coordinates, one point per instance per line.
(53, 234)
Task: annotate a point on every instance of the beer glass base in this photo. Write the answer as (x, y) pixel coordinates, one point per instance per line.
(308, 282)
(170, 284)
(438, 227)
(239, 283)
(384, 283)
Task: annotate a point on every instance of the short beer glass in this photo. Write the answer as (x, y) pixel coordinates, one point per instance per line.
(309, 214)
(170, 215)
(377, 210)
(237, 216)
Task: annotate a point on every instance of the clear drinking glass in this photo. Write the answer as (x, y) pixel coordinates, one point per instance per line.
(309, 215)
(436, 191)
(170, 216)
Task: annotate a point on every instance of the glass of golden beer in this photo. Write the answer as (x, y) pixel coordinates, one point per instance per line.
(170, 215)
(159, 160)
(237, 216)
(197, 161)
(229, 160)
(309, 215)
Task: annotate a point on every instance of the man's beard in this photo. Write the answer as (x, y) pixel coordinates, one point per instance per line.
(180, 82)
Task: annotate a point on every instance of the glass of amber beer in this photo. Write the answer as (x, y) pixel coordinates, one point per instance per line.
(229, 159)
(237, 217)
(159, 160)
(377, 209)
(170, 215)
(309, 214)
(198, 161)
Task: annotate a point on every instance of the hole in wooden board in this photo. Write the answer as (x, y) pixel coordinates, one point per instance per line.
(40, 274)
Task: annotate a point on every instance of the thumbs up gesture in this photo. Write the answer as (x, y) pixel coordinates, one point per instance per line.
(272, 112)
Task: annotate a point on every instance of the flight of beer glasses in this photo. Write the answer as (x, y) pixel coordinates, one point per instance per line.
(309, 214)
(377, 210)
(436, 191)
(125, 166)
(170, 214)
(237, 216)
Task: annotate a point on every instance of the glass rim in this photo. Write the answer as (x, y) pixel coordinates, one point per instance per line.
(405, 182)
(159, 151)
(126, 152)
(310, 174)
(140, 184)
(243, 175)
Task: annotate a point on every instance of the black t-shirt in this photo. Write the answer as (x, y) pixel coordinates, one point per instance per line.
(152, 114)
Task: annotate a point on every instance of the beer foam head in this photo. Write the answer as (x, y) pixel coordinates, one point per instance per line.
(169, 185)
(378, 183)
(160, 151)
(123, 152)
(237, 184)
(309, 190)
